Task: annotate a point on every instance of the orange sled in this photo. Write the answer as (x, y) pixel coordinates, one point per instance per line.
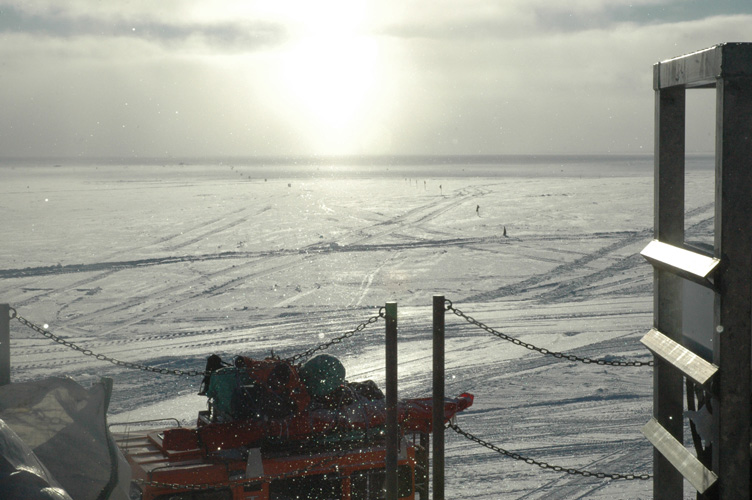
(359, 419)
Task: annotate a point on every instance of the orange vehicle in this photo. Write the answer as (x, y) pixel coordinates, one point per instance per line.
(353, 471)
(277, 431)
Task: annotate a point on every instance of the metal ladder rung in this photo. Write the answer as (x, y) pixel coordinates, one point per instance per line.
(685, 263)
(684, 360)
(675, 452)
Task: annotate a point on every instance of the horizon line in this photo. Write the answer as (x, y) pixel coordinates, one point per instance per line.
(351, 158)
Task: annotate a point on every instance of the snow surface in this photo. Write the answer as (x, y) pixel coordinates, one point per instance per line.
(164, 265)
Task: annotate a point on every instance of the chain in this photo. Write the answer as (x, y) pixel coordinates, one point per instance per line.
(571, 357)
(556, 468)
(338, 340)
(102, 357)
(192, 373)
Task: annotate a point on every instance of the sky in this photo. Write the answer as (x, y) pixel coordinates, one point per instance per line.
(181, 79)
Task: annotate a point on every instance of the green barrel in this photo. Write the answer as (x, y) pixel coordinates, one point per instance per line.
(322, 374)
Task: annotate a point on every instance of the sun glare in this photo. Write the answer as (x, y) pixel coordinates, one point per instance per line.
(330, 69)
(331, 77)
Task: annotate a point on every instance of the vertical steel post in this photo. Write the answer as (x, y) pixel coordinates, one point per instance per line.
(438, 397)
(392, 423)
(4, 344)
(422, 477)
(668, 383)
(733, 244)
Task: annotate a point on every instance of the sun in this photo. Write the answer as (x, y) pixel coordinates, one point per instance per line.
(329, 72)
(331, 77)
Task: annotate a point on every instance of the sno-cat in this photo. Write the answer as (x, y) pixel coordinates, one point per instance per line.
(277, 431)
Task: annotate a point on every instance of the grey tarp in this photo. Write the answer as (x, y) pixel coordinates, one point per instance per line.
(65, 426)
(22, 475)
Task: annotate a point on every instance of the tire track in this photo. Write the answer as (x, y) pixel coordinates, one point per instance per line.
(699, 210)
(395, 224)
(418, 215)
(210, 232)
(631, 457)
(106, 267)
(303, 327)
(585, 285)
(399, 223)
(561, 272)
(100, 344)
(200, 226)
(47, 292)
(317, 248)
(365, 284)
(199, 290)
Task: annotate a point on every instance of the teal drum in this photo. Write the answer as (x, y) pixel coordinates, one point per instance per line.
(322, 374)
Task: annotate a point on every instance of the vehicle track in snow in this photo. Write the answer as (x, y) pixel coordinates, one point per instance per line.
(200, 286)
(631, 455)
(108, 266)
(421, 214)
(565, 281)
(563, 273)
(354, 238)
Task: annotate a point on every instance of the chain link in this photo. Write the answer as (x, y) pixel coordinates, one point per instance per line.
(192, 373)
(338, 340)
(560, 355)
(102, 357)
(556, 468)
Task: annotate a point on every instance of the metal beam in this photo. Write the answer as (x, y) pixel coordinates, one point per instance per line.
(392, 421)
(685, 263)
(438, 397)
(684, 360)
(675, 452)
(733, 316)
(4, 344)
(668, 383)
(704, 67)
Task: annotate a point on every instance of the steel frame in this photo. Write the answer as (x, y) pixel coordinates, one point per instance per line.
(728, 69)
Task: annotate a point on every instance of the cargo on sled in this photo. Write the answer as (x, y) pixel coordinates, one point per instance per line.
(276, 431)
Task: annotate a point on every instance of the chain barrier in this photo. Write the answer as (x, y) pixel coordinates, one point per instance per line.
(556, 468)
(204, 486)
(560, 355)
(338, 340)
(102, 357)
(193, 373)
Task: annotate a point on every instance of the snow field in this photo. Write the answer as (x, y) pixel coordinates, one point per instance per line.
(165, 265)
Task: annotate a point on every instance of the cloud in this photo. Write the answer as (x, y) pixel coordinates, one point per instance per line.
(480, 19)
(219, 36)
(584, 91)
(264, 78)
